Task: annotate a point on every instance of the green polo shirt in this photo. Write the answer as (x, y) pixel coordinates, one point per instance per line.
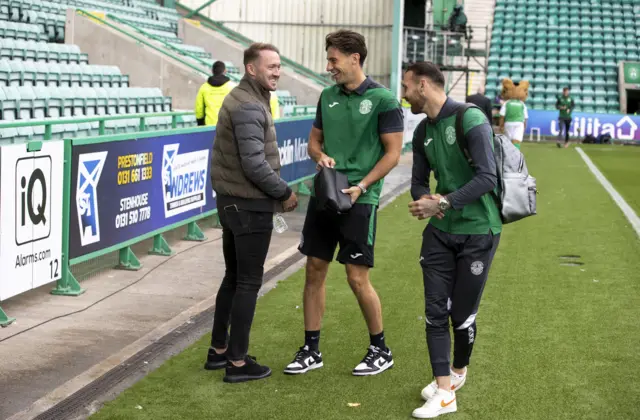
(352, 122)
(436, 149)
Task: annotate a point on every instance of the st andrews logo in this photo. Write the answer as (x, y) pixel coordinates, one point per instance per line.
(184, 179)
(90, 167)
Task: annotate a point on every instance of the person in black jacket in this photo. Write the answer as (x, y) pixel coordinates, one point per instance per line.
(482, 102)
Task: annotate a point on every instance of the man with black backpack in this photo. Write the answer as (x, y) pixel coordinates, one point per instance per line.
(462, 236)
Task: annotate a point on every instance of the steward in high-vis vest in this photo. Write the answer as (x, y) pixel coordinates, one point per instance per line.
(211, 94)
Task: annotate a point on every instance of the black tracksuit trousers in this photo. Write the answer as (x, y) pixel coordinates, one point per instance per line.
(455, 269)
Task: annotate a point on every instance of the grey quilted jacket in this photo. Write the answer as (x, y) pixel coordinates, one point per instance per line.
(245, 164)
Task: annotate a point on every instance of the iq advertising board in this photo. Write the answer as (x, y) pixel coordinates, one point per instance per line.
(124, 189)
(30, 216)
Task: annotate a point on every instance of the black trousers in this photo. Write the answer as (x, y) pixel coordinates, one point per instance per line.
(565, 124)
(246, 236)
(454, 269)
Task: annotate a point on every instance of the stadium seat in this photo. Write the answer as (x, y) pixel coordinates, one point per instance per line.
(579, 44)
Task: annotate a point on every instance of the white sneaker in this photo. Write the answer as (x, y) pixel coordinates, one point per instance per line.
(442, 402)
(457, 381)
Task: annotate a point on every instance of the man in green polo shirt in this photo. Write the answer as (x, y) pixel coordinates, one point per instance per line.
(565, 105)
(358, 131)
(462, 235)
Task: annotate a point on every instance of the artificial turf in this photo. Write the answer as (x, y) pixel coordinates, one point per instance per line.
(554, 341)
(620, 165)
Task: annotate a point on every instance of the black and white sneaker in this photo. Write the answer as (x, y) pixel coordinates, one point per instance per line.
(304, 361)
(376, 361)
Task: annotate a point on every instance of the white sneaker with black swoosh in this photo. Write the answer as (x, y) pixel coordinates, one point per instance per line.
(304, 361)
(376, 361)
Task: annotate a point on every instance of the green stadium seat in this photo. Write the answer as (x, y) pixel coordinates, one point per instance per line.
(54, 101)
(5, 73)
(17, 73)
(6, 48)
(102, 100)
(112, 100)
(41, 99)
(7, 134)
(62, 97)
(26, 97)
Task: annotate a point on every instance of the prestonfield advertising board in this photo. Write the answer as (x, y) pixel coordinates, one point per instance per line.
(121, 190)
(30, 216)
(124, 189)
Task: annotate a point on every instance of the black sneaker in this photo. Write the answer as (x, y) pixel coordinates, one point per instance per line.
(215, 361)
(304, 361)
(376, 361)
(249, 372)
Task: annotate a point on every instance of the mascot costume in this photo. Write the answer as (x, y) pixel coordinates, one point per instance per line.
(513, 114)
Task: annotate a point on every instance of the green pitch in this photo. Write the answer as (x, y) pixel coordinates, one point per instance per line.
(621, 166)
(554, 341)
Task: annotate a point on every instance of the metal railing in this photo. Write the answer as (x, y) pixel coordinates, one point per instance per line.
(101, 120)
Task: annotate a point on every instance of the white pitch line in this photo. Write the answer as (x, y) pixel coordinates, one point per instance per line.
(626, 209)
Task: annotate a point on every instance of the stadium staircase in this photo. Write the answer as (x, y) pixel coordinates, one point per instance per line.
(557, 43)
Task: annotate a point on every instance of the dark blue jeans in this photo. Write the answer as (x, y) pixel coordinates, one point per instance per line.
(246, 236)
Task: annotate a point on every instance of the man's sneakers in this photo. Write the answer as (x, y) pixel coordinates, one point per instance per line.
(376, 361)
(215, 361)
(250, 371)
(457, 381)
(442, 402)
(304, 361)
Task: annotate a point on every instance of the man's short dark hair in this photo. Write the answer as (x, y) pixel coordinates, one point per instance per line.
(565, 88)
(252, 53)
(429, 70)
(218, 68)
(347, 42)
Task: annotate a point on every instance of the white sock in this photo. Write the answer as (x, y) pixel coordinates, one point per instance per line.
(457, 375)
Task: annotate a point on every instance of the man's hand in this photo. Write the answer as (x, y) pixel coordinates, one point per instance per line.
(426, 206)
(354, 192)
(325, 161)
(290, 203)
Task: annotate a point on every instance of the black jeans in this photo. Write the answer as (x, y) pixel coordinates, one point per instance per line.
(246, 236)
(565, 124)
(454, 269)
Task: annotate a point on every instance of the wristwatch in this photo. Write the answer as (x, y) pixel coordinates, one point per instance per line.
(361, 186)
(444, 204)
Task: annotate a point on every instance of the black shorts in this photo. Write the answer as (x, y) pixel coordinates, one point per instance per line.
(355, 231)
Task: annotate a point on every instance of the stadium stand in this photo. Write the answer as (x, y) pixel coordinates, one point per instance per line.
(573, 43)
(41, 77)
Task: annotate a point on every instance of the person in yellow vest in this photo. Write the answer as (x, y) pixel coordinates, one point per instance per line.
(275, 106)
(211, 94)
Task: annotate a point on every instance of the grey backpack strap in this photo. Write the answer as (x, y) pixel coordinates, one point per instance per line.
(460, 138)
